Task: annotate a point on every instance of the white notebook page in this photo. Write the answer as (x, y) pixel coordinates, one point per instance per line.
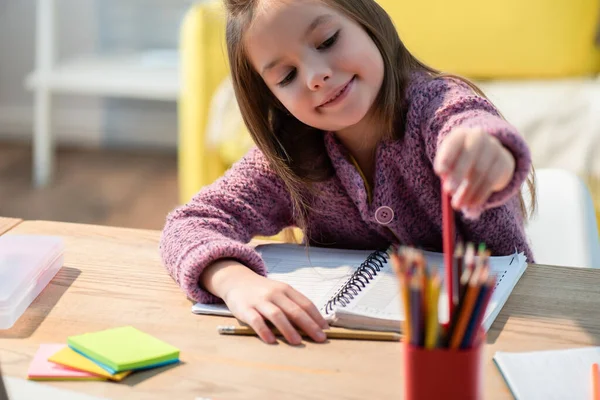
(381, 298)
(317, 273)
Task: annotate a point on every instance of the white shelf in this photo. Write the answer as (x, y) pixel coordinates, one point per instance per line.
(130, 75)
(151, 75)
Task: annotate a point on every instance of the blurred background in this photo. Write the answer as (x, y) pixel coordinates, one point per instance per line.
(111, 84)
(115, 111)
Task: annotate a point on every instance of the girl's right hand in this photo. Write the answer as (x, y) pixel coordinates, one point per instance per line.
(254, 299)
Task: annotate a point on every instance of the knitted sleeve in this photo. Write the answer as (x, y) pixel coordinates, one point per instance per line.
(221, 219)
(447, 104)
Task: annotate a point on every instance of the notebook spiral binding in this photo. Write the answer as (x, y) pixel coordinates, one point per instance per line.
(359, 279)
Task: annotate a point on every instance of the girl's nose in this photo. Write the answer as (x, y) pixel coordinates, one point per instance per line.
(317, 76)
(317, 81)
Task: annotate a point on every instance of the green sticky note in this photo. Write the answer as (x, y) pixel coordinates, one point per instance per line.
(124, 348)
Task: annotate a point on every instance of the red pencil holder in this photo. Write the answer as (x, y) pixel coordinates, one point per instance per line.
(443, 373)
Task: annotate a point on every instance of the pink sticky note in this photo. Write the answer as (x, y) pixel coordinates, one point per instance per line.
(42, 369)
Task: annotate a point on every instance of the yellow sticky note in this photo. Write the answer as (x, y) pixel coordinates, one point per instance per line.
(70, 358)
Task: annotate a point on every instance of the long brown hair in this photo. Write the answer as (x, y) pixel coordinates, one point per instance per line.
(295, 150)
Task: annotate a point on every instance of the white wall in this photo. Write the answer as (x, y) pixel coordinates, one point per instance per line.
(86, 26)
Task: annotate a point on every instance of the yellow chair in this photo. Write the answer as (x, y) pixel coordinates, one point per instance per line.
(203, 67)
(501, 39)
(480, 39)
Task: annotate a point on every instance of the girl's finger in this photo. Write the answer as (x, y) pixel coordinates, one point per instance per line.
(308, 306)
(459, 194)
(300, 318)
(280, 320)
(258, 324)
(449, 152)
(485, 192)
(457, 174)
(464, 165)
(480, 173)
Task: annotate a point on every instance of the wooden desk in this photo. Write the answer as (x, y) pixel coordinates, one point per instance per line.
(113, 277)
(8, 223)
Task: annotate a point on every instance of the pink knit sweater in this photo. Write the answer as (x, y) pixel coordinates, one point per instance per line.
(251, 200)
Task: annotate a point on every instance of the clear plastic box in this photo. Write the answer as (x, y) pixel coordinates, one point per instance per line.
(27, 265)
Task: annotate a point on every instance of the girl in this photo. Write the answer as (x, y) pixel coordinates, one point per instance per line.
(354, 137)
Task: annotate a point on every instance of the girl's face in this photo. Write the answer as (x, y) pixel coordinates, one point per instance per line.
(322, 66)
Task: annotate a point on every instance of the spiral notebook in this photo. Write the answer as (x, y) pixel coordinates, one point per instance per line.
(358, 288)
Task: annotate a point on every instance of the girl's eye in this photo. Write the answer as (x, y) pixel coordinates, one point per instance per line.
(288, 78)
(329, 42)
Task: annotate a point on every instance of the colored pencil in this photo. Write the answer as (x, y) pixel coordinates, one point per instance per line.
(416, 307)
(481, 248)
(468, 266)
(470, 256)
(414, 326)
(433, 325)
(448, 246)
(491, 285)
(466, 309)
(330, 333)
(421, 266)
(458, 268)
(478, 315)
(464, 281)
(399, 263)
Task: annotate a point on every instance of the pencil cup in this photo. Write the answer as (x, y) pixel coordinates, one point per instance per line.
(443, 373)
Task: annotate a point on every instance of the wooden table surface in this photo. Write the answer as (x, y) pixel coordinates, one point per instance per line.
(7, 223)
(113, 277)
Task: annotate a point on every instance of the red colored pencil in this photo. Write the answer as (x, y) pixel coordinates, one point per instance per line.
(448, 242)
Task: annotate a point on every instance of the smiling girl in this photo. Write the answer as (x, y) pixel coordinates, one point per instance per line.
(355, 139)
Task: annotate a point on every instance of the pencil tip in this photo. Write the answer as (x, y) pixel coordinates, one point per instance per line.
(470, 247)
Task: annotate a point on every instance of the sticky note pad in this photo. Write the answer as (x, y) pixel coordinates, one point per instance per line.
(70, 358)
(124, 349)
(41, 369)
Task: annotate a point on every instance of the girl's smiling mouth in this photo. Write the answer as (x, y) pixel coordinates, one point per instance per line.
(338, 95)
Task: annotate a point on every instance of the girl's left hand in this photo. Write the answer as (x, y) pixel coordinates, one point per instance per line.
(472, 165)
